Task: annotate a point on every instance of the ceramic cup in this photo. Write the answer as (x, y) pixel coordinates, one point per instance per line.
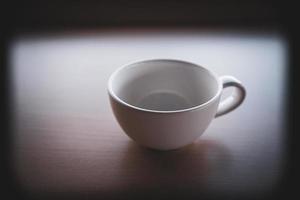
(166, 104)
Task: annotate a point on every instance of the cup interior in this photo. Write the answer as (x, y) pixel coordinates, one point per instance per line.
(163, 85)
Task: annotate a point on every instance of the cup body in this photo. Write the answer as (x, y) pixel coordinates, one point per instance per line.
(164, 104)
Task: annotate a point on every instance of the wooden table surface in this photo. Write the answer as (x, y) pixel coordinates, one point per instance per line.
(66, 140)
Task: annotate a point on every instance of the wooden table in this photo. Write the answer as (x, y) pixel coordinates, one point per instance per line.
(67, 142)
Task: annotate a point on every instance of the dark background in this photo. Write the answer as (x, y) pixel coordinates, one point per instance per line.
(52, 16)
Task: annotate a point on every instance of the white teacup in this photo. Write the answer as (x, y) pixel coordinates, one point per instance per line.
(167, 104)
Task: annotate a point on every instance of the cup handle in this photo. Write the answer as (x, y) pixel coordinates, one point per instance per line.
(236, 98)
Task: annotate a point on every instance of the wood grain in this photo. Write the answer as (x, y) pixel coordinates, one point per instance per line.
(66, 140)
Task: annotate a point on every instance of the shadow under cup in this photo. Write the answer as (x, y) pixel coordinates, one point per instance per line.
(164, 85)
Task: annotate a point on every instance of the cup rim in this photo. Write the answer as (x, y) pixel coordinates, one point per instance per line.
(115, 97)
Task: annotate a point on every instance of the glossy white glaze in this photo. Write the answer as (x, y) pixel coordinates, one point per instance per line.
(183, 98)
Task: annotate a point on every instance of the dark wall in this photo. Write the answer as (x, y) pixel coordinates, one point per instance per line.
(90, 14)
